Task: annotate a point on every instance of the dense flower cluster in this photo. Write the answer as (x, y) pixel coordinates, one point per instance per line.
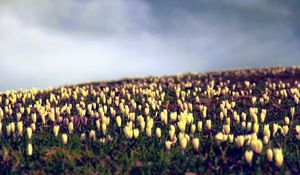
(177, 111)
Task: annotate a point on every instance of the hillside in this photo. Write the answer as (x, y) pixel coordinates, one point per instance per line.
(234, 121)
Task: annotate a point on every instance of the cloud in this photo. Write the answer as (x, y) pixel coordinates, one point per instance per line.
(55, 42)
(40, 58)
(90, 17)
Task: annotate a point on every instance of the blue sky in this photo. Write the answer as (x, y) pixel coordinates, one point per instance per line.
(53, 42)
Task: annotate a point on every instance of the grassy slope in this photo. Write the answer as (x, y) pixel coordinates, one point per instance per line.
(149, 155)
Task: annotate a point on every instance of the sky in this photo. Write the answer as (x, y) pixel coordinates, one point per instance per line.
(54, 42)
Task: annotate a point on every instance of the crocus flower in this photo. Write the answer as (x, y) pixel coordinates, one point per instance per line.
(29, 132)
(168, 144)
(119, 121)
(249, 156)
(143, 124)
(98, 124)
(275, 128)
(92, 134)
(83, 138)
(33, 126)
(29, 149)
(158, 132)
(173, 116)
(266, 139)
(196, 143)
(193, 128)
(208, 124)
(226, 129)
(183, 143)
(71, 127)
(244, 116)
(20, 127)
(181, 125)
(231, 138)
(255, 128)
(286, 120)
(278, 156)
(219, 137)
(249, 126)
(104, 128)
(148, 132)
(240, 140)
(136, 133)
(33, 117)
(199, 126)
(257, 145)
(56, 130)
(292, 110)
(171, 133)
(128, 132)
(8, 129)
(269, 154)
(12, 126)
(64, 138)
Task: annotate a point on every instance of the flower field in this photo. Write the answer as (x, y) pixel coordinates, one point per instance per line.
(240, 121)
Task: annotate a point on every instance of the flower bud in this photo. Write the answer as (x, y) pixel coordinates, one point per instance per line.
(231, 138)
(33, 126)
(208, 124)
(278, 157)
(98, 124)
(240, 140)
(20, 128)
(183, 143)
(219, 137)
(83, 138)
(196, 143)
(255, 128)
(243, 124)
(92, 134)
(257, 146)
(119, 121)
(226, 129)
(173, 116)
(136, 133)
(269, 154)
(64, 138)
(33, 117)
(249, 156)
(249, 126)
(143, 124)
(29, 149)
(104, 128)
(266, 139)
(12, 126)
(29, 132)
(128, 132)
(181, 125)
(71, 127)
(158, 132)
(292, 110)
(168, 144)
(193, 128)
(148, 132)
(56, 130)
(286, 120)
(199, 126)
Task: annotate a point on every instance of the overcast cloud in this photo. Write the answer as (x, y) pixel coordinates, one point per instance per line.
(53, 42)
